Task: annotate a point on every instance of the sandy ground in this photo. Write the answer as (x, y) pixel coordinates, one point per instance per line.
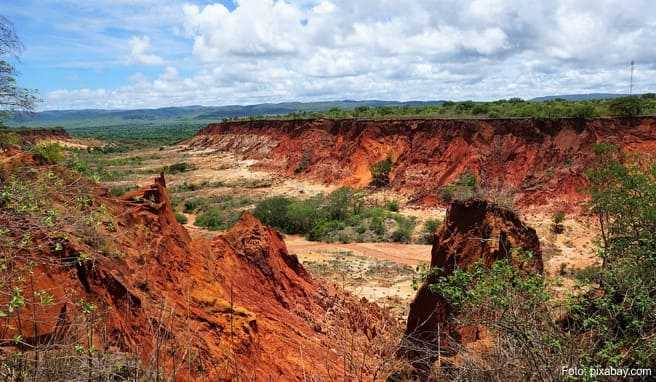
(366, 269)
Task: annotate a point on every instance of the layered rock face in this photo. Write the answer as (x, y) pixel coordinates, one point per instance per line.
(238, 306)
(540, 162)
(473, 231)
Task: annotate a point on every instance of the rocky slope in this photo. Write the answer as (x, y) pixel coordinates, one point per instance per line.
(539, 162)
(473, 231)
(123, 276)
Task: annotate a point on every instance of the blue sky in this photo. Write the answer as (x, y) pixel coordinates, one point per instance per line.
(147, 53)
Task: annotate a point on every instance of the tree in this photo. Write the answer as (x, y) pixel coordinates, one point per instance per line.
(12, 97)
(625, 106)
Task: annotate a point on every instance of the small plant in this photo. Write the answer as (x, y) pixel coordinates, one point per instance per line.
(217, 219)
(178, 168)
(392, 205)
(466, 187)
(557, 222)
(50, 152)
(430, 228)
(380, 172)
(121, 190)
(181, 218)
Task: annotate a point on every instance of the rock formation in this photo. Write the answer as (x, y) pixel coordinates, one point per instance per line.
(133, 281)
(541, 162)
(473, 231)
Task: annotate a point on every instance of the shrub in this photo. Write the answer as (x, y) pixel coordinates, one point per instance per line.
(9, 139)
(121, 190)
(465, 187)
(50, 152)
(194, 204)
(343, 202)
(217, 219)
(181, 218)
(557, 222)
(392, 205)
(625, 106)
(273, 212)
(430, 227)
(558, 217)
(178, 168)
(301, 216)
(401, 235)
(380, 172)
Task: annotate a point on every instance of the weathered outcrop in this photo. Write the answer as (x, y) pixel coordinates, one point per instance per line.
(238, 306)
(541, 162)
(473, 231)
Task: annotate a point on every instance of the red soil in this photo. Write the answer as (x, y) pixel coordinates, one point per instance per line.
(540, 162)
(239, 306)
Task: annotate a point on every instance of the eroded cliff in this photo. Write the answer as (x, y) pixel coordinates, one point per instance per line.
(538, 162)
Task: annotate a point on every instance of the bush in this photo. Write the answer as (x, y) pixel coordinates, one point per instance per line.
(430, 227)
(380, 173)
(273, 212)
(465, 187)
(178, 168)
(301, 216)
(181, 218)
(50, 152)
(192, 205)
(121, 190)
(392, 205)
(558, 217)
(217, 219)
(9, 139)
(625, 106)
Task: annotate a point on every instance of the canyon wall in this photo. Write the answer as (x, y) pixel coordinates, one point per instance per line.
(537, 162)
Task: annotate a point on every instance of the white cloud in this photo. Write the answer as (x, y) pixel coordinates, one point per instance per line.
(285, 50)
(139, 47)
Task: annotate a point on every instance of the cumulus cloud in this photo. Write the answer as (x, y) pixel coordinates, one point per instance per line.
(139, 47)
(285, 50)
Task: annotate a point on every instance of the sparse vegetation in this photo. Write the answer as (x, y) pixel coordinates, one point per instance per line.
(465, 187)
(181, 218)
(121, 190)
(177, 168)
(429, 230)
(217, 212)
(610, 317)
(380, 172)
(50, 152)
(557, 222)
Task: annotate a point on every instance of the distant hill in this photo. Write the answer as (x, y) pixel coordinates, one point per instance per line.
(579, 97)
(190, 113)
